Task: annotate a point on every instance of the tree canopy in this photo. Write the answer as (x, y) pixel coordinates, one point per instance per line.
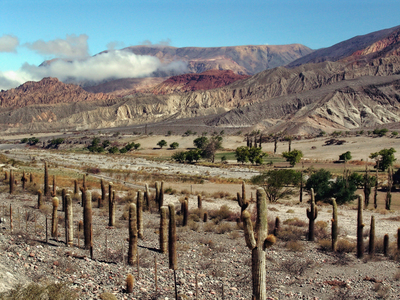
(384, 158)
(293, 157)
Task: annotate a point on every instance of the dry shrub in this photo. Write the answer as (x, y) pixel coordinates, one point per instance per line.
(193, 225)
(271, 208)
(223, 213)
(32, 188)
(223, 228)
(125, 212)
(295, 222)
(234, 234)
(290, 211)
(294, 246)
(396, 276)
(194, 217)
(320, 230)
(221, 194)
(325, 245)
(291, 233)
(345, 246)
(209, 227)
(185, 192)
(45, 209)
(170, 191)
(130, 197)
(50, 291)
(297, 266)
(396, 218)
(179, 220)
(95, 196)
(182, 247)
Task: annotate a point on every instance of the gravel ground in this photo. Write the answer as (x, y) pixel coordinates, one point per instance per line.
(221, 262)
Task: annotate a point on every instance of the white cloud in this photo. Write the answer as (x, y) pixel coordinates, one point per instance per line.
(8, 43)
(114, 44)
(162, 43)
(73, 47)
(111, 65)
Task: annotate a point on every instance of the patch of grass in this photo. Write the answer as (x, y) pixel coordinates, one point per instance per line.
(294, 246)
(325, 245)
(297, 266)
(320, 230)
(295, 222)
(59, 291)
(291, 233)
(345, 246)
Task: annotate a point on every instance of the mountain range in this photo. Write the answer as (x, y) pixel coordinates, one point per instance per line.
(351, 85)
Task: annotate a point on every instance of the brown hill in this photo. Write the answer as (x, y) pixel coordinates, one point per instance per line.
(192, 82)
(240, 59)
(47, 91)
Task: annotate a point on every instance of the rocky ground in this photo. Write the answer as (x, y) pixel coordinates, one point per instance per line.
(215, 254)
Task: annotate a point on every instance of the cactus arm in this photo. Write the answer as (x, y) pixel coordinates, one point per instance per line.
(261, 229)
(248, 230)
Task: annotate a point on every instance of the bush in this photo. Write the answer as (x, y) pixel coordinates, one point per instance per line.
(294, 246)
(174, 145)
(345, 246)
(325, 244)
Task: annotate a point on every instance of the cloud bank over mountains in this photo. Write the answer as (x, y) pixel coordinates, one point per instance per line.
(73, 62)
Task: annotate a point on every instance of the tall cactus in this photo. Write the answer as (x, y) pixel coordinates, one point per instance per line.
(40, 199)
(388, 201)
(139, 209)
(277, 226)
(312, 214)
(11, 182)
(157, 195)
(146, 197)
(87, 219)
(24, 180)
(133, 235)
(360, 227)
(334, 225)
(111, 206)
(54, 219)
(103, 193)
(46, 180)
(243, 203)
(164, 229)
(367, 185)
(257, 242)
(185, 207)
(376, 186)
(161, 195)
(75, 187)
(70, 220)
(398, 239)
(63, 199)
(371, 248)
(244, 192)
(173, 263)
(386, 245)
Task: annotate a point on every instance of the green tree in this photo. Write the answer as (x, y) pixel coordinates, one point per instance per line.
(242, 154)
(256, 155)
(106, 143)
(33, 141)
(136, 146)
(174, 145)
(162, 143)
(293, 157)
(319, 181)
(345, 156)
(113, 150)
(213, 145)
(179, 156)
(278, 184)
(384, 158)
(201, 142)
(193, 155)
(381, 132)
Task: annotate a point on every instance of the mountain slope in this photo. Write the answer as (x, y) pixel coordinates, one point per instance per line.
(344, 49)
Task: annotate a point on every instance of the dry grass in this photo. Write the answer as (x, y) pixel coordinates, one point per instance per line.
(295, 222)
(294, 246)
(325, 245)
(345, 246)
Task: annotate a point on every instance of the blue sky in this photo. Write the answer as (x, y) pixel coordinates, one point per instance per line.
(34, 30)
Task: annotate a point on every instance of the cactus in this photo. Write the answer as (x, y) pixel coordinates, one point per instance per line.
(64, 201)
(277, 226)
(139, 204)
(75, 187)
(398, 239)
(243, 203)
(257, 242)
(334, 229)
(360, 227)
(371, 248)
(243, 192)
(185, 207)
(40, 199)
(84, 182)
(172, 238)
(386, 245)
(103, 193)
(31, 177)
(161, 195)
(199, 202)
(133, 234)
(205, 217)
(24, 179)
(301, 186)
(12, 182)
(80, 228)
(5, 176)
(312, 214)
(46, 180)
(54, 193)
(129, 283)
(164, 229)
(87, 219)
(157, 195)
(146, 204)
(388, 201)
(70, 220)
(111, 206)
(54, 219)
